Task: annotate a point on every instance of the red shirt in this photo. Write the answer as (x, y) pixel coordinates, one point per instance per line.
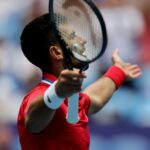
(59, 135)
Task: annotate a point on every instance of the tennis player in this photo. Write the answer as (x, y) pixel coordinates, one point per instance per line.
(42, 121)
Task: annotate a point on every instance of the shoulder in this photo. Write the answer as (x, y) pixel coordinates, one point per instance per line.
(37, 91)
(84, 97)
(85, 101)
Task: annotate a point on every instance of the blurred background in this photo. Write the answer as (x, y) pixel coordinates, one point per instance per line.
(124, 123)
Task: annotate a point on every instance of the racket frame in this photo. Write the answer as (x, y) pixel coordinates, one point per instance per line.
(66, 50)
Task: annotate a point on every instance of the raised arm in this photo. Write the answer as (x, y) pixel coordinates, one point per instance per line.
(101, 91)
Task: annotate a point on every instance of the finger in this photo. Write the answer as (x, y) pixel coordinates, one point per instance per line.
(73, 89)
(116, 57)
(76, 79)
(71, 74)
(70, 81)
(116, 52)
(133, 67)
(74, 83)
(136, 75)
(136, 71)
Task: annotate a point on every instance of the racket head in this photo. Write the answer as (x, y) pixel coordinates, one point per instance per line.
(86, 22)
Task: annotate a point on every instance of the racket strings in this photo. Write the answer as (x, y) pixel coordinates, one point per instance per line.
(75, 24)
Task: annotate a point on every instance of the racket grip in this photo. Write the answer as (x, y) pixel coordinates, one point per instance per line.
(72, 115)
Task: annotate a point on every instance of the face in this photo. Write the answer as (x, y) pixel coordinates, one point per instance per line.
(75, 43)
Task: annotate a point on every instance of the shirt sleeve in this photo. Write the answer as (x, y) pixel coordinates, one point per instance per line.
(86, 103)
(31, 97)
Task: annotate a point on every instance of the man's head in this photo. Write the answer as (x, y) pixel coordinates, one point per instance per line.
(40, 45)
(36, 40)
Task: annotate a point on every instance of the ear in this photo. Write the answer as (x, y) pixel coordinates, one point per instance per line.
(56, 53)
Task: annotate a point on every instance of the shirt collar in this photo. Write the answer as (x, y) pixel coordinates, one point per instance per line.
(48, 78)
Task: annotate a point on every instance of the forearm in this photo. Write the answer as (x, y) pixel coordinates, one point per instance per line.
(100, 93)
(38, 116)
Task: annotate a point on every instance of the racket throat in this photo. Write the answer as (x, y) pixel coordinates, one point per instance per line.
(85, 67)
(72, 62)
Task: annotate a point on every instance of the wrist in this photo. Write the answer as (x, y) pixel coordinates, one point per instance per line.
(116, 74)
(51, 99)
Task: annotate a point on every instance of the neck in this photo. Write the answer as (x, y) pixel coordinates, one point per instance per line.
(54, 70)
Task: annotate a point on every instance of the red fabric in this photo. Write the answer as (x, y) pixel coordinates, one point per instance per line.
(116, 74)
(59, 135)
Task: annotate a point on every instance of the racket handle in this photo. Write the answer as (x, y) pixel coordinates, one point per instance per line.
(72, 115)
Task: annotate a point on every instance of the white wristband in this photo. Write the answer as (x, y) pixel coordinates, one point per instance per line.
(51, 99)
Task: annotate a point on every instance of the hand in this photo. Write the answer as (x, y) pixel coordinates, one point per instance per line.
(132, 71)
(69, 82)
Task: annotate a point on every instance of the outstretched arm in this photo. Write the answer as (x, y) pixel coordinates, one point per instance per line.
(39, 115)
(101, 91)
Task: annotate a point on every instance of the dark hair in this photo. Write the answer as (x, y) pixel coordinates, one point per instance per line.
(36, 39)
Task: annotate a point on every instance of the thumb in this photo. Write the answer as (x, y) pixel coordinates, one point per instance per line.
(115, 56)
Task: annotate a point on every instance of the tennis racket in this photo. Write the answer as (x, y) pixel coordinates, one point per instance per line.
(81, 33)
